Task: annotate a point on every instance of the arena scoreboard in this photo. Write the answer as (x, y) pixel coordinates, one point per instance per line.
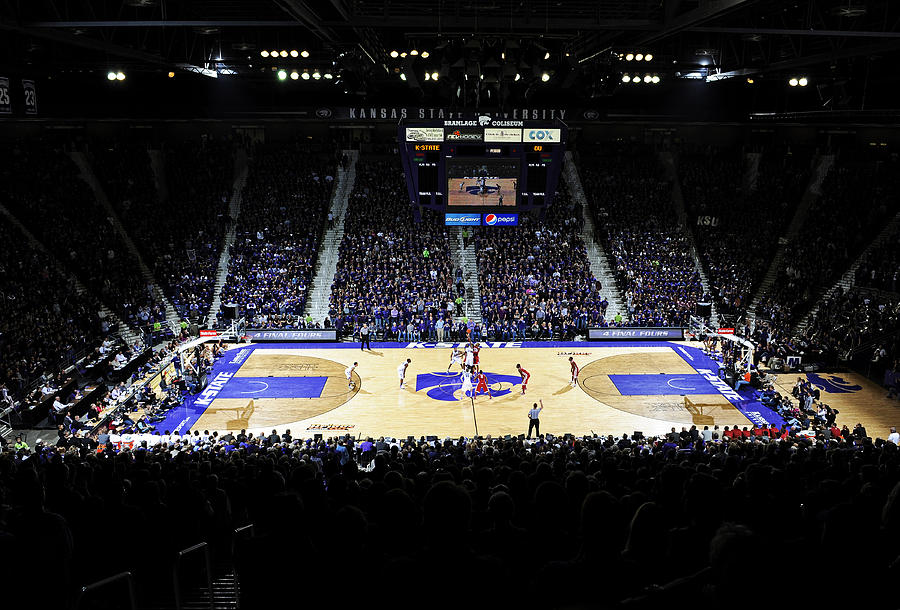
(483, 164)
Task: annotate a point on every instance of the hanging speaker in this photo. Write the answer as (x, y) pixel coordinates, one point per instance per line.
(704, 310)
(230, 311)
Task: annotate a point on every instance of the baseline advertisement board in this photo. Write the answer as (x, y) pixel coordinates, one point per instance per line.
(462, 220)
(631, 334)
(302, 334)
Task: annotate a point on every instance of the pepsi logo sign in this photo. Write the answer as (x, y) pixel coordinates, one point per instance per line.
(503, 220)
(490, 219)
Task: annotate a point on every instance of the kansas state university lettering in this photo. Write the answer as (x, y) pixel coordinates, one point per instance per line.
(212, 390)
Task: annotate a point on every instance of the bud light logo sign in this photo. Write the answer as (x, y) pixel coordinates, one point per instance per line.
(462, 219)
(501, 220)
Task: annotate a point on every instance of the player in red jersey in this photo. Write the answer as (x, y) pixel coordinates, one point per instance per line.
(575, 371)
(475, 349)
(525, 377)
(483, 385)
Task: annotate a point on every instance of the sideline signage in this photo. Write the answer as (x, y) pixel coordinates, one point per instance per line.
(300, 334)
(650, 334)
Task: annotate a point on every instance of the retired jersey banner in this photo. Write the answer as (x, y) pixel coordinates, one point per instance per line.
(5, 105)
(30, 96)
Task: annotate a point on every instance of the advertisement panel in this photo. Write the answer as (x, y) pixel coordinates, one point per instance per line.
(464, 134)
(501, 220)
(547, 136)
(653, 334)
(462, 220)
(424, 134)
(502, 134)
(302, 334)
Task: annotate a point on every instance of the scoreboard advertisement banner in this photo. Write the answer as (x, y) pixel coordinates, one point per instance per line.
(424, 134)
(5, 104)
(502, 134)
(462, 220)
(464, 134)
(547, 136)
(500, 220)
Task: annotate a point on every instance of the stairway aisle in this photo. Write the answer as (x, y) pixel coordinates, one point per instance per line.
(158, 164)
(329, 252)
(599, 260)
(90, 178)
(671, 169)
(128, 334)
(468, 261)
(241, 169)
(813, 190)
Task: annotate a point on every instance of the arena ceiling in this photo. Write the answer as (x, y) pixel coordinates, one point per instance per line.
(484, 52)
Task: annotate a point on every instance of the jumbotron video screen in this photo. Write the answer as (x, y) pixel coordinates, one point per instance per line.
(482, 182)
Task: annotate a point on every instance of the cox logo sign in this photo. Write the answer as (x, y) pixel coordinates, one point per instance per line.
(503, 220)
(542, 135)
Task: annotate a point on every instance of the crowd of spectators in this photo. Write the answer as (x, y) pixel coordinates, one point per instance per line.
(738, 219)
(392, 271)
(648, 520)
(634, 218)
(535, 279)
(858, 195)
(881, 267)
(283, 214)
(45, 192)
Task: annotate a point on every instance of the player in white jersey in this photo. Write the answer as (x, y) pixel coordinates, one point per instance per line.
(467, 385)
(470, 356)
(455, 358)
(349, 373)
(401, 372)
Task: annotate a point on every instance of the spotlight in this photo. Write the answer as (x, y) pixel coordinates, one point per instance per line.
(481, 76)
(434, 75)
(629, 57)
(639, 57)
(502, 54)
(793, 82)
(171, 75)
(304, 53)
(305, 75)
(316, 75)
(545, 77)
(547, 55)
(111, 75)
(803, 81)
(395, 54)
(273, 53)
(655, 79)
(403, 54)
(295, 75)
(626, 78)
(294, 53)
(414, 52)
(636, 79)
(402, 76)
(518, 76)
(264, 53)
(328, 75)
(750, 81)
(282, 75)
(427, 76)
(284, 53)
(647, 78)
(425, 54)
(648, 57)
(120, 76)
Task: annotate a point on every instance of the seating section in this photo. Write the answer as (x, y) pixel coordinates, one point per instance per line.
(384, 274)
(283, 211)
(535, 279)
(738, 225)
(636, 221)
(881, 267)
(45, 192)
(44, 323)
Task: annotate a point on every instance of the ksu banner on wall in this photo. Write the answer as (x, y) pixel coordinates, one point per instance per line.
(302, 334)
(631, 334)
(5, 105)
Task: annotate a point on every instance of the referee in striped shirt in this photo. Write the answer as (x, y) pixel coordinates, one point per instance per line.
(534, 419)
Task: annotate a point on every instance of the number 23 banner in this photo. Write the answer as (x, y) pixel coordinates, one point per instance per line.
(30, 96)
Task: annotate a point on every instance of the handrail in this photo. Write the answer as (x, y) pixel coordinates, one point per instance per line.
(104, 583)
(178, 557)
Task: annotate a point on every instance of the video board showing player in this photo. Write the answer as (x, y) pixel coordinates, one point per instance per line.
(482, 182)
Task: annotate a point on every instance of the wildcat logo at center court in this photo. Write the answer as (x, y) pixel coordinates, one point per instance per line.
(833, 384)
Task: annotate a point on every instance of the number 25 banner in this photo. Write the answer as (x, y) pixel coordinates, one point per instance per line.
(5, 106)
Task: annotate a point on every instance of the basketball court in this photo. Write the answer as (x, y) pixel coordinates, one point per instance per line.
(622, 387)
(468, 192)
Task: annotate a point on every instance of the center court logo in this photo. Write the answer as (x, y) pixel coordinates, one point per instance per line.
(442, 386)
(833, 384)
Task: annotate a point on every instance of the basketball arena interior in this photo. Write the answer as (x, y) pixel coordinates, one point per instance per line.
(583, 304)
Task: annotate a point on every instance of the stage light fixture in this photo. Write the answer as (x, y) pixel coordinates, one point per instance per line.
(793, 82)
(626, 78)
(295, 75)
(395, 54)
(403, 54)
(304, 53)
(655, 79)
(434, 75)
(750, 81)
(425, 54)
(648, 57)
(294, 53)
(545, 77)
(305, 75)
(803, 81)
(629, 57)
(518, 77)
(427, 76)
(402, 76)
(284, 53)
(636, 79)
(648, 79)
(264, 53)
(273, 53)
(414, 52)
(316, 75)
(547, 55)
(639, 57)
(502, 54)
(111, 75)
(328, 75)
(282, 75)
(171, 75)
(120, 76)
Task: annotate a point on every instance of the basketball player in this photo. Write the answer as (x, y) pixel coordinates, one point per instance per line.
(525, 377)
(470, 356)
(401, 372)
(500, 199)
(461, 186)
(467, 381)
(455, 358)
(483, 385)
(349, 372)
(575, 371)
(475, 349)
